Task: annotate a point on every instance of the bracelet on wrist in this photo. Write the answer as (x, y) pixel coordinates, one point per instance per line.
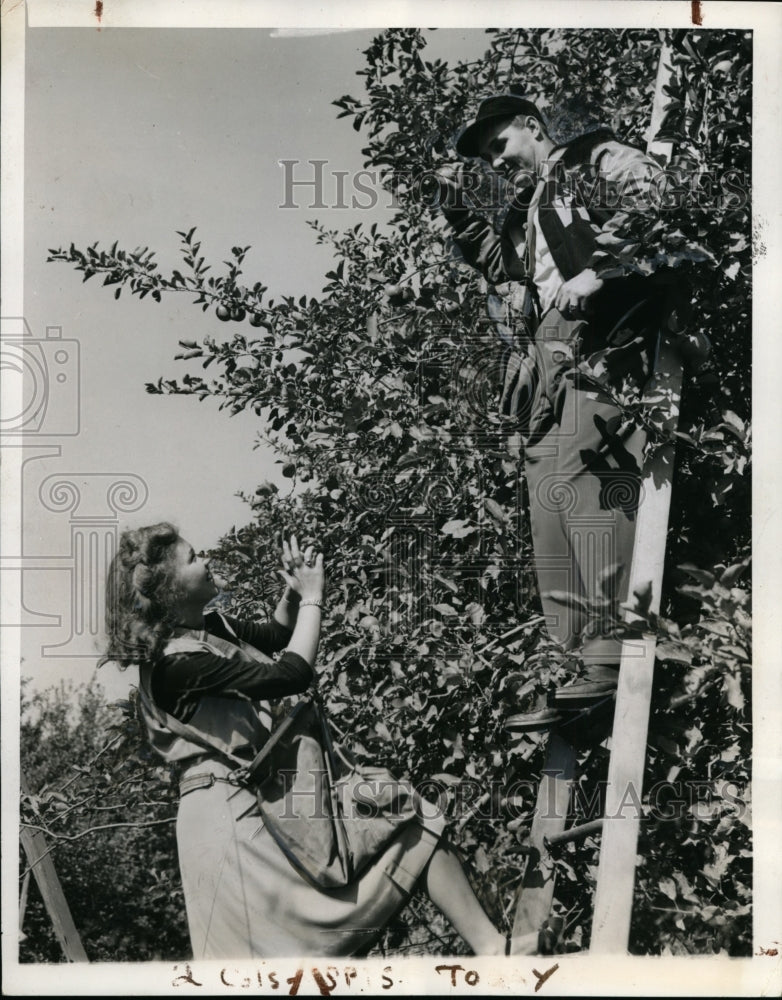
(313, 602)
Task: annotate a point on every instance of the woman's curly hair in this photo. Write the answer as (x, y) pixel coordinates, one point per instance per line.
(140, 594)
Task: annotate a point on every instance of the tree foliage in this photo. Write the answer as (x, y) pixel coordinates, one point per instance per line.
(106, 807)
(379, 396)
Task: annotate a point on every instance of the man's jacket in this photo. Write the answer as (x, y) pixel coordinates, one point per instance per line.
(594, 189)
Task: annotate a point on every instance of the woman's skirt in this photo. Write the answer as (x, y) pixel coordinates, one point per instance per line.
(245, 900)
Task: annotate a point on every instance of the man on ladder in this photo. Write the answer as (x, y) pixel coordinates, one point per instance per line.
(587, 329)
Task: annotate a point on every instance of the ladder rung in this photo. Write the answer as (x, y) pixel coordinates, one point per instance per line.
(575, 833)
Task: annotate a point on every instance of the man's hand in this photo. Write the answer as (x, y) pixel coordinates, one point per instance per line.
(574, 295)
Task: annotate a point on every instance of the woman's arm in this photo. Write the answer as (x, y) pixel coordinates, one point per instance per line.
(306, 635)
(304, 575)
(182, 678)
(287, 609)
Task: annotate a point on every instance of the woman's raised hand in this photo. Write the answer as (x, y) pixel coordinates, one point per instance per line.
(303, 571)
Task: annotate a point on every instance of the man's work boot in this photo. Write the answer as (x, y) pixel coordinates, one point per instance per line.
(598, 683)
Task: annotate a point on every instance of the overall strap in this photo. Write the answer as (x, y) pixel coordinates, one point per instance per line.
(530, 225)
(529, 249)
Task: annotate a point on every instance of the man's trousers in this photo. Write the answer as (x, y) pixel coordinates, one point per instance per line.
(584, 468)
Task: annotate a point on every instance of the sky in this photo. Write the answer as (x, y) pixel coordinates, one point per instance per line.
(131, 135)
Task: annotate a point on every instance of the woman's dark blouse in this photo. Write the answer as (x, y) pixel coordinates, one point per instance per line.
(180, 680)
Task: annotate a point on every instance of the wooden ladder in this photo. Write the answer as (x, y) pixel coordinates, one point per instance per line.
(42, 867)
(620, 825)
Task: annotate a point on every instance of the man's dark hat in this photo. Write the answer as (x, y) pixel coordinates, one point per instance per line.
(492, 110)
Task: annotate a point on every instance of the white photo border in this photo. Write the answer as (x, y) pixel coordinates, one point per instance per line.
(579, 974)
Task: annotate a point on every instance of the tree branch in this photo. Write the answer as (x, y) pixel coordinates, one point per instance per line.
(90, 829)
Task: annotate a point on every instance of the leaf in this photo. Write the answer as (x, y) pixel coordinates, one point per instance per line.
(446, 779)
(717, 628)
(458, 529)
(720, 863)
(643, 599)
(565, 597)
(495, 511)
(457, 749)
(673, 652)
(701, 575)
(733, 573)
(735, 425)
(720, 490)
(686, 890)
(342, 653)
(476, 612)
(735, 651)
(733, 693)
(383, 731)
(610, 578)
(445, 609)
(668, 887)
(689, 590)
(694, 737)
(481, 860)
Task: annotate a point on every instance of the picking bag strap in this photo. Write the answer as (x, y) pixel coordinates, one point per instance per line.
(176, 726)
(255, 767)
(328, 744)
(246, 647)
